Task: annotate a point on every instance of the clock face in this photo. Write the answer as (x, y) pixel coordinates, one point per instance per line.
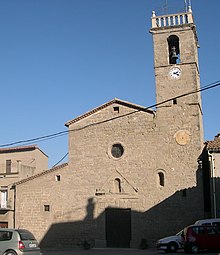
(175, 73)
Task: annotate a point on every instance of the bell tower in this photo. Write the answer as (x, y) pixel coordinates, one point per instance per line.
(178, 122)
(177, 72)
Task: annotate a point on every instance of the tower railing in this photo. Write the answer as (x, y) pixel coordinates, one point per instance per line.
(172, 19)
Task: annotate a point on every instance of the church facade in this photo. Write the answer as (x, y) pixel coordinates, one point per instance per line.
(134, 173)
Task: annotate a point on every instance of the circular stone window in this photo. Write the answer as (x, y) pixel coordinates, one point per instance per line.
(117, 150)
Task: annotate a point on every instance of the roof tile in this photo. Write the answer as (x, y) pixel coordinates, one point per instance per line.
(215, 144)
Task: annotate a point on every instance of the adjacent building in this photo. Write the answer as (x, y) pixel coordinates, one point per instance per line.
(15, 164)
(211, 165)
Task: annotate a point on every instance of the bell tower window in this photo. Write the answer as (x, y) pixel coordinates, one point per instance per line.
(174, 50)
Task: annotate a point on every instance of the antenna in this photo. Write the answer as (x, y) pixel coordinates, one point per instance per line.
(185, 5)
(165, 7)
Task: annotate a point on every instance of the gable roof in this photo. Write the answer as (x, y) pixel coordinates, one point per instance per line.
(41, 174)
(116, 100)
(20, 149)
(215, 144)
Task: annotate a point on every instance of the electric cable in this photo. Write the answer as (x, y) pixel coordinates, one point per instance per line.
(61, 133)
(210, 86)
(60, 160)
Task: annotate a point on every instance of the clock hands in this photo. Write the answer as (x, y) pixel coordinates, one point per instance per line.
(175, 73)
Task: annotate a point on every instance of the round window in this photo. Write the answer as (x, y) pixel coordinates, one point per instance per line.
(117, 150)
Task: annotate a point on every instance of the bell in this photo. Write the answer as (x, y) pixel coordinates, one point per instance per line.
(173, 55)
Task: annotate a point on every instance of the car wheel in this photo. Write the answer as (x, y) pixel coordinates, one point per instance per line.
(10, 253)
(172, 247)
(194, 248)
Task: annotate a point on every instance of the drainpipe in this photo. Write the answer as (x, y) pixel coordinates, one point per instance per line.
(212, 186)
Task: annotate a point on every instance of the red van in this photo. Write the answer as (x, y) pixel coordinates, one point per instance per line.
(196, 238)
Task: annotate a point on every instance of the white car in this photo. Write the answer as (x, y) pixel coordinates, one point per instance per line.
(171, 243)
(18, 242)
(214, 221)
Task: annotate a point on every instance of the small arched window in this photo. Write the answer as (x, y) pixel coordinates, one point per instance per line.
(174, 49)
(117, 185)
(161, 179)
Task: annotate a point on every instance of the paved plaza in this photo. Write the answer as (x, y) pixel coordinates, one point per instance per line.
(117, 252)
(104, 252)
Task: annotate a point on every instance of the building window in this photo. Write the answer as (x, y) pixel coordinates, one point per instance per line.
(46, 208)
(117, 150)
(161, 179)
(58, 178)
(8, 166)
(3, 224)
(4, 197)
(175, 101)
(116, 109)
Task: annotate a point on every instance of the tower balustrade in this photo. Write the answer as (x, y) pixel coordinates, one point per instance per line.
(172, 19)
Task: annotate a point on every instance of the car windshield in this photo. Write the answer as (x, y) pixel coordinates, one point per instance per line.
(25, 235)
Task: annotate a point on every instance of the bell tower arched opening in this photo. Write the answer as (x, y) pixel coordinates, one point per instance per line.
(174, 49)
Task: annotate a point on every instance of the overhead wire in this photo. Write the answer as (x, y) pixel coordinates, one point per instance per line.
(60, 160)
(210, 86)
(61, 133)
(39, 139)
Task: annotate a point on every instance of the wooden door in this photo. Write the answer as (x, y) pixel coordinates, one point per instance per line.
(118, 227)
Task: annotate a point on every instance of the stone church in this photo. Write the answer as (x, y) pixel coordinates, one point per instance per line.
(134, 174)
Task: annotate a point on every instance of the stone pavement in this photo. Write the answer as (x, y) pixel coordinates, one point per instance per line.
(109, 251)
(104, 251)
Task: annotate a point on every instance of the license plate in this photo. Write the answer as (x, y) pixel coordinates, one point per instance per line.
(32, 245)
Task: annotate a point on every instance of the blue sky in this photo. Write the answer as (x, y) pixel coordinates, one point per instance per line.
(62, 58)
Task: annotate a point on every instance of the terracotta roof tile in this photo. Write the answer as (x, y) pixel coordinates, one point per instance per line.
(19, 148)
(215, 144)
